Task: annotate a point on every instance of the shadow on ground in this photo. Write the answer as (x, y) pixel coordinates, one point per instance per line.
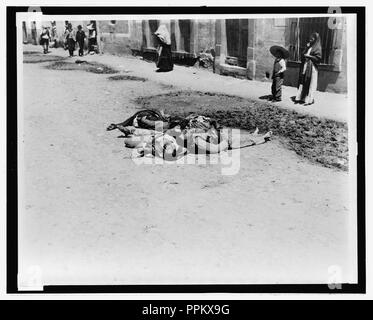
(125, 77)
(86, 66)
(37, 57)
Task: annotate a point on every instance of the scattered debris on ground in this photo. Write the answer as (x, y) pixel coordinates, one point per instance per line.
(93, 67)
(206, 58)
(31, 52)
(319, 140)
(126, 77)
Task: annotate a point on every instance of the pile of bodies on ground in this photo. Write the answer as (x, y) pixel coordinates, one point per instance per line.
(171, 137)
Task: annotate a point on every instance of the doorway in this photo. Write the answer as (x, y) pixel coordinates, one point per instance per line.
(237, 32)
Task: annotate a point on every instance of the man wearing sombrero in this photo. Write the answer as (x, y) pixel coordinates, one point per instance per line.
(279, 67)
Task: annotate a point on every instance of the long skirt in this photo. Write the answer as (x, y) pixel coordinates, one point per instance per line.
(92, 43)
(308, 98)
(164, 62)
(277, 87)
(44, 41)
(71, 46)
(45, 44)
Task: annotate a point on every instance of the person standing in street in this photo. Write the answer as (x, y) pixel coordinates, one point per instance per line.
(80, 36)
(92, 37)
(164, 62)
(44, 39)
(70, 39)
(308, 74)
(279, 67)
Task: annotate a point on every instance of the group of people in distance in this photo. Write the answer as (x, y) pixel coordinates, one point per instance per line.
(308, 73)
(72, 37)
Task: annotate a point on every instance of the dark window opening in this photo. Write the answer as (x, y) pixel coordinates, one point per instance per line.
(153, 25)
(237, 41)
(185, 29)
(300, 31)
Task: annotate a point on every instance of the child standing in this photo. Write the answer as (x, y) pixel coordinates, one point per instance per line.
(279, 67)
(80, 36)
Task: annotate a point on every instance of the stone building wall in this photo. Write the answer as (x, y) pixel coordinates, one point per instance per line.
(118, 38)
(269, 32)
(264, 33)
(205, 35)
(190, 37)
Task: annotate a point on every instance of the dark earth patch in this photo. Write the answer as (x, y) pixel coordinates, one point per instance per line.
(125, 77)
(86, 66)
(319, 140)
(31, 52)
(37, 57)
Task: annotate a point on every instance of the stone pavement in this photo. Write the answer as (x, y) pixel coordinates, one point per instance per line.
(327, 105)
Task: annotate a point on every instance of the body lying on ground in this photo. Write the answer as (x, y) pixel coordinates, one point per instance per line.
(152, 132)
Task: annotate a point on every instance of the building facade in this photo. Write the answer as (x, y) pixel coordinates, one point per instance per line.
(242, 49)
(240, 46)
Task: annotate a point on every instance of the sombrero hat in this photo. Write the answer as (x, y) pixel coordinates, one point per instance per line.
(285, 53)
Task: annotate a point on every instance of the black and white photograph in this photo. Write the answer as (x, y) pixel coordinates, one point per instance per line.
(188, 149)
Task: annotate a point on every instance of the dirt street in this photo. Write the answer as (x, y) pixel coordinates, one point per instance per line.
(91, 215)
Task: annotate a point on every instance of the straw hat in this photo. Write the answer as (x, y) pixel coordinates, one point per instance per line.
(274, 49)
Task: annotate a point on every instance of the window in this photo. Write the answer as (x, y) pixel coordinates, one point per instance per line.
(300, 31)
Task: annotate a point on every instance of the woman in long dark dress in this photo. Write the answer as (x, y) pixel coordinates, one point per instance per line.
(164, 62)
(311, 58)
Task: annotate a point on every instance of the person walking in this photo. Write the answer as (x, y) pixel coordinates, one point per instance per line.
(70, 39)
(308, 74)
(44, 39)
(80, 36)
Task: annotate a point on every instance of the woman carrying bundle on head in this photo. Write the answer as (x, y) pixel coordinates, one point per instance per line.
(164, 62)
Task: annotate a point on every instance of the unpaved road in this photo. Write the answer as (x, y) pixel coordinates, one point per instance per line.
(90, 215)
